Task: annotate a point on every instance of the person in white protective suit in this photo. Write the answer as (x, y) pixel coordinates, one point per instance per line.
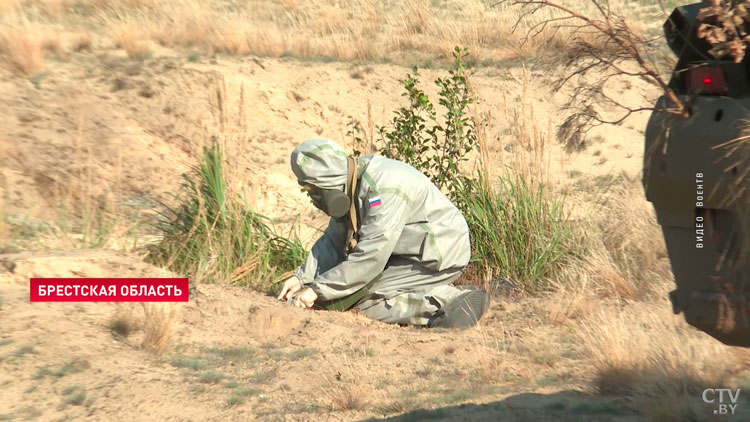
(393, 247)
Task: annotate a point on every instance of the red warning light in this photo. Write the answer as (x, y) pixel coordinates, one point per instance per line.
(707, 80)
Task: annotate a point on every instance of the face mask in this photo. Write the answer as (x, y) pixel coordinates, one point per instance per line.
(333, 202)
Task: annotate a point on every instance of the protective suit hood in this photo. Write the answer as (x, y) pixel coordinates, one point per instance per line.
(320, 162)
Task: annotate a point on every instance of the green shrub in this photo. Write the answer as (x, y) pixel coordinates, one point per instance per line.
(213, 235)
(518, 228)
(416, 135)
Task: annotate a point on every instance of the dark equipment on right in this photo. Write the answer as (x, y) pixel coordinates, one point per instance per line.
(695, 173)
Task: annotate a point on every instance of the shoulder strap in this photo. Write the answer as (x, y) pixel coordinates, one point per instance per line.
(351, 237)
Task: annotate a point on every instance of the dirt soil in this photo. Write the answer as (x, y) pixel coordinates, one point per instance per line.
(284, 363)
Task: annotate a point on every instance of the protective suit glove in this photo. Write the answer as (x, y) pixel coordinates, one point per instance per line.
(305, 298)
(291, 286)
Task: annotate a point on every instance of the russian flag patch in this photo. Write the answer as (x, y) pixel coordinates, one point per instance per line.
(375, 201)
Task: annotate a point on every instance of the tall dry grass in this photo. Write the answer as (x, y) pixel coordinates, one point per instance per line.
(159, 324)
(93, 218)
(611, 294)
(155, 321)
(124, 321)
(622, 250)
(647, 353)
(132, 39)
(621, 257)
(417, 31)
(4, 231)
(23, 47)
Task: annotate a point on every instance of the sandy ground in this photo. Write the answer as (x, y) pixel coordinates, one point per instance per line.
(284, 363)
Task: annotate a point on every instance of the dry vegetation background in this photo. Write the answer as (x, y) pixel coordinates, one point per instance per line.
(422, 31)
(109, 101)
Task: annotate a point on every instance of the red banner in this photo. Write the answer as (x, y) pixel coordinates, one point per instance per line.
(109, 290)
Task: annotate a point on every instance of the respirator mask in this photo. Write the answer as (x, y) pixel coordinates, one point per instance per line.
(336, 202)
(333, 202)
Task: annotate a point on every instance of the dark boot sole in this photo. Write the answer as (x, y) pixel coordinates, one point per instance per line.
(464, 312)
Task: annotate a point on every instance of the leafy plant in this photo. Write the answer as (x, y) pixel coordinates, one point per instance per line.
(435, 146)
(518, 227)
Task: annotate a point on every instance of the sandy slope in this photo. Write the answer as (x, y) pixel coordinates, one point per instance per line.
(123, 131)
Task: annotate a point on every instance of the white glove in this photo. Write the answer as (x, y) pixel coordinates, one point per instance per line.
(291, 286)
(305, 298)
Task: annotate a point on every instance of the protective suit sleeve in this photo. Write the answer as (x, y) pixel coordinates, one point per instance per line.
(326, 253)
(378, 236)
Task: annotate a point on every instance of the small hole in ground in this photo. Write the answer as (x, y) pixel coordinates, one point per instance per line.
(719, 114)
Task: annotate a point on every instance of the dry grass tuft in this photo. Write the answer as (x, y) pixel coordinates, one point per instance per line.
(124, 322)
(623, 252)
(491, 368)
(83, 41)
(88, 217)
(398, 406)
(632, 236)
(290, 5)
(571, 301)
(24, 48)
(347, 392)
(265, 42)
(407, 32)
(160, 320)
(55, 9)
(347, 397)
(645, 351)
(331, 19)
(231, 38)
(494, 363)
(4, 231)
(417, 16)
(133, 40)
(139, 3)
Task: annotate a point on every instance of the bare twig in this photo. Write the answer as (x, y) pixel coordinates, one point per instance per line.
(614, 50)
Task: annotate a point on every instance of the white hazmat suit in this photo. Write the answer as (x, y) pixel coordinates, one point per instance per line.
(410, 235)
